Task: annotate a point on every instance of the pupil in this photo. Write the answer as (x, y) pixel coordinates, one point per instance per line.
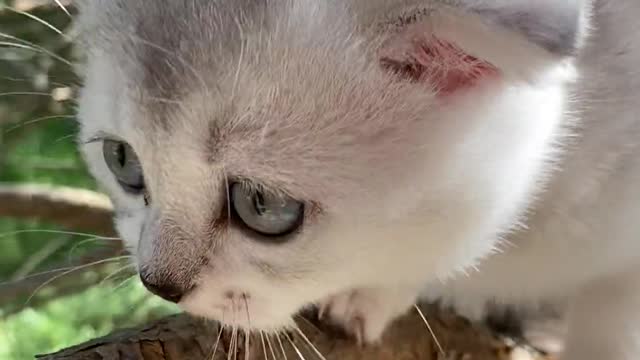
(121, 155)
(258, 201)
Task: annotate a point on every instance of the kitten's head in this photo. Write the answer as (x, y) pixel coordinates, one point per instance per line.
(263, 155)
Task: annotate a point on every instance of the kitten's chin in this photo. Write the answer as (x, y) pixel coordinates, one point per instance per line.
(246, 316)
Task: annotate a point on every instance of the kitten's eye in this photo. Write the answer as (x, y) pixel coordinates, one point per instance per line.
(124, 164)
(268, 215)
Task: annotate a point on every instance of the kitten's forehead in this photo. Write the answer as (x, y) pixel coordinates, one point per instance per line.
(164, 48)
(269, 91)
(171, 49)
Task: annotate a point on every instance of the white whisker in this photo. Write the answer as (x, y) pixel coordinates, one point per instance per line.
(237, 74)
(306, 339)
(36, 275)
(236, 338)
(124, 282)
(230, 347)
(271, 347)
(264, 346)
(284, 353)
(247, 344)
(295, 348)
(63, 138)
(56, 232)
(40, 20)
(25, 93)
(86, 241)
(116, 272)
(31, 47)
(10, 78)
(215, 347)
(77, 268)
(247, 335)
(433, 335)
(64, 8)
(37, 120)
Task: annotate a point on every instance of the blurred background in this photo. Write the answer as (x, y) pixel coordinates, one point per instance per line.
(64, 277)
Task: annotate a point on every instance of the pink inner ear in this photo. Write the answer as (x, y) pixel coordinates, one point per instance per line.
(447, 67)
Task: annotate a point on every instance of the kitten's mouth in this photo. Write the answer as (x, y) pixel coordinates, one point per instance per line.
(242, 311)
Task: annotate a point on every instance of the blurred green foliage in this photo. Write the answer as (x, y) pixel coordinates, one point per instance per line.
(37, 146)
(77, 318)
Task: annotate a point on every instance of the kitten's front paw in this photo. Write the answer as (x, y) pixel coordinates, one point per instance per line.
(366, 313)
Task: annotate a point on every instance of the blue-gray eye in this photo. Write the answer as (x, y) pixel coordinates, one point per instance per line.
(125, 165)
(266, 214)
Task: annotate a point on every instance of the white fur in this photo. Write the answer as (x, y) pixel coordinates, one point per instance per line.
(519, 190)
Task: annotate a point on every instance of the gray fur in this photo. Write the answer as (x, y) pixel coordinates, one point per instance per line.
(558, 32)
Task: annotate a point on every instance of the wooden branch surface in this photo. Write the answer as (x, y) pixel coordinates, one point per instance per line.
(183, 337)
(75, 209)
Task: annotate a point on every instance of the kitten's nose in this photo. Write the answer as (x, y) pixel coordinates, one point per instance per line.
(164, 289)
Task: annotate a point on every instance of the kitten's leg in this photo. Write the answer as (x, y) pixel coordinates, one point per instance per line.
(604, 321)
(366, 313)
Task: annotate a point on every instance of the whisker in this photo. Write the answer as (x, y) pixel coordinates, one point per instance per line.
(30, 276)
(63, 138)
(38, 19)
(229, 349)
(77, 268)
(234, 332)
(215, 347)
(232, 350)
(37, 120)
(115, 272)
(10, 78)
(246, 306)
(264, 346)
(25, 93)
(235, 347)
(32, 47)
(271, 347)
(306, 339)
(61, 5)
(310, 324)
(284, 353)
(295, 348)
(247, 344)
(56, 232)
(237, 74)
(124, 282)
(92, 239)
(433, 334)
(35, 275)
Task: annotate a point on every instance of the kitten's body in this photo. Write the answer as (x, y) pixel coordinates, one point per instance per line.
(432, 179)
(581, 241)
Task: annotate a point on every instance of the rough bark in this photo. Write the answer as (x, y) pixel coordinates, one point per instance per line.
(183, 337)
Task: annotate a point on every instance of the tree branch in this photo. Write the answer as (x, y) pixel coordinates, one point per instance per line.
(183, 337)
(75, 209)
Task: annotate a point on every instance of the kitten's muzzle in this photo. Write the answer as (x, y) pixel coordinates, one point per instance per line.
(164, 288)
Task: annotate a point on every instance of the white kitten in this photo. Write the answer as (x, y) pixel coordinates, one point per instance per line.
(359, 154)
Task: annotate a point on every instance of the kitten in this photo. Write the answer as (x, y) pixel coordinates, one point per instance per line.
(359, 155)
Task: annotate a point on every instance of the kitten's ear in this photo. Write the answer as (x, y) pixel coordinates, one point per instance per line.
(454, 47)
